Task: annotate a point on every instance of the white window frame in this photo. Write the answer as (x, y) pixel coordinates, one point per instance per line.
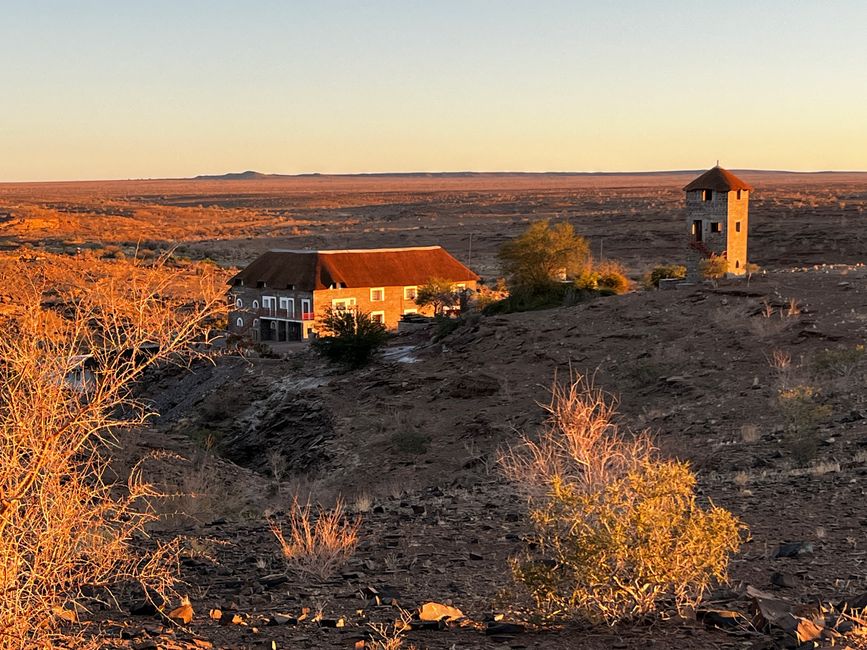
(239, 303)
(255, 304)
(270, 303)
(372, 299)
(347, 304)
(406, 291)
(288, 305)
(381, 314)
(239, 322)
(255, 323)
(305, 307)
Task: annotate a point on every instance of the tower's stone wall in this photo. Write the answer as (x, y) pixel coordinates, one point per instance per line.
(718, 220)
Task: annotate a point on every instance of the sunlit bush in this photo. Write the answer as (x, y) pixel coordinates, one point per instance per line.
(618, 528)
(68, 360)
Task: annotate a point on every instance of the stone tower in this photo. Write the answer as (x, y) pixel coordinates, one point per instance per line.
(717, 220)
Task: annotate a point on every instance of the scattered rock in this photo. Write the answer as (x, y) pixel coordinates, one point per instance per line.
(437, 612)
(182, 614)
(722, 618)
(795, 549)
(784, 580)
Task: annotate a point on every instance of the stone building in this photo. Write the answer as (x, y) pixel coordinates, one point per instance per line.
(717, 219)
(283, 294)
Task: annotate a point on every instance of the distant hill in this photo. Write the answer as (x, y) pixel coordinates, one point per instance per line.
(251, 175)
(248, 175)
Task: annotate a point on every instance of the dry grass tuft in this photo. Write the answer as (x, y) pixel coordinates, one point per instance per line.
(618, 529)
(318, 542)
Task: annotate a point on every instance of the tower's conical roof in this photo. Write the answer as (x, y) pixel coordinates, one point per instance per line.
(718, 180)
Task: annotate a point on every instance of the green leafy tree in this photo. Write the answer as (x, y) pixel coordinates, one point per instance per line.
(349, 336)
(439, 294)
(543, 253)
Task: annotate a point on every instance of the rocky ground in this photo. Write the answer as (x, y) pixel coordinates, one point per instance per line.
(411, 442)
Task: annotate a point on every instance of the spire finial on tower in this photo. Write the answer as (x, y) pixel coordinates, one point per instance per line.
(717, 162)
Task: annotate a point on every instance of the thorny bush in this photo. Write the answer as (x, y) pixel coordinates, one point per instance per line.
(69, 355)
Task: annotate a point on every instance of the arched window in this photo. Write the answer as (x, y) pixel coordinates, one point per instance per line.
(256, 323)
(255, 304)
(240, 322)
(239, 303)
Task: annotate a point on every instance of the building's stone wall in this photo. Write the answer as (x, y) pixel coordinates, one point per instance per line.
(251, 308)
(393, 306)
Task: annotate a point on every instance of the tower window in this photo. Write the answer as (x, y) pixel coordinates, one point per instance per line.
(738, 223)
(739, 195)
(715, 226)
(707, 195)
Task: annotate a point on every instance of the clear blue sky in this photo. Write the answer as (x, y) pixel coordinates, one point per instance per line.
(126, 89)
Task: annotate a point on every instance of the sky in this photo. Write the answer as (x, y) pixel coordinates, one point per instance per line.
(103, 89)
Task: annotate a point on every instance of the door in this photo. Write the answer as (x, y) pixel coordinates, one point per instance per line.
(697, 230)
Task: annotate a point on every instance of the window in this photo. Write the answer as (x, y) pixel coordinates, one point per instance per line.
(240, 322)
(305, 309)
(378, 317)
(410, 293)
(287, 305)
(737, 226)
(707, 195)
(715, 226)
(739, 195)
(239, 304)
(255, 323)
(377, 295)
(410, 311)
(260, 284)
(460, 287)
(737, 264)
(255, 304)
(342, 304)
(269, 303)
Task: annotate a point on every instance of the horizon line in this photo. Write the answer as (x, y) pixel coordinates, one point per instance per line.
(467, 172)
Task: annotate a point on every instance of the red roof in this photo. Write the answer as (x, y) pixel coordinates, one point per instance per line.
(376, 267)
(718, 180)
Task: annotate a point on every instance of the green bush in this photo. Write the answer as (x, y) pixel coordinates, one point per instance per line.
(542, 253)
(349, 337)
(618, 529)
(664, 272)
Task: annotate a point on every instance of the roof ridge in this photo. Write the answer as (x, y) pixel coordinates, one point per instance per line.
(331, 251)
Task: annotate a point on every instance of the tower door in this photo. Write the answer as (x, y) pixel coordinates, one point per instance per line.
(697, 233)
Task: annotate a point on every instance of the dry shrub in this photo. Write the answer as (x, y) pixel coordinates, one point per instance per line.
(612, 277)
(318, 542)
(802, 411)
(714, 267)
(68, 531)
(618, 528)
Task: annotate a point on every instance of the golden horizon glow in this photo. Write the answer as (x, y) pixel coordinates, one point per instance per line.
(166, 91)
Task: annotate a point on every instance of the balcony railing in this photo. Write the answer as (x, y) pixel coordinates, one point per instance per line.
(273, 312)
(286, 314)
